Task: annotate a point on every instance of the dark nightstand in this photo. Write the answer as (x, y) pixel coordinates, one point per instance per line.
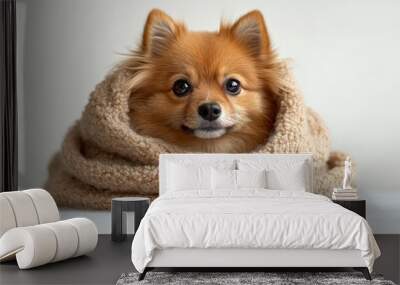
(357, 206)
(138, 205)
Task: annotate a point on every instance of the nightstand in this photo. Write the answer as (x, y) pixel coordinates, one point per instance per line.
(138, 205)
(357, 206)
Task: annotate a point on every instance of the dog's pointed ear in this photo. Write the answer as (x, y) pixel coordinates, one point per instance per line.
(251, 31)
(159, 31)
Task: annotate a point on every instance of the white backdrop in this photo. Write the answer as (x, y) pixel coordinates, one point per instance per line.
(345, 57)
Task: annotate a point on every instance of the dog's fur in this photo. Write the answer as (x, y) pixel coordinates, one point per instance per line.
(170, 52)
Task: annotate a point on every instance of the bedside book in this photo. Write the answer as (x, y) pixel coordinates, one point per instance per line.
(345, 194)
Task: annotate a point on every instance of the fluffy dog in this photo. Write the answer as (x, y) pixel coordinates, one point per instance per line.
(205, 91)
(182, 91)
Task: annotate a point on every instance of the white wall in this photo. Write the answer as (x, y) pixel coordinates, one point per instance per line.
(345, 53)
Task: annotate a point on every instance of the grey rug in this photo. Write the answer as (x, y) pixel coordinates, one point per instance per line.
(269, 278)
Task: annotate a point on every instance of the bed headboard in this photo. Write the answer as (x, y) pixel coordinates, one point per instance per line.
(211, 159)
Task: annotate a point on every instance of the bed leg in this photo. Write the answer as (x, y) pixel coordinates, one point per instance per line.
(143, 274)
(364, 271)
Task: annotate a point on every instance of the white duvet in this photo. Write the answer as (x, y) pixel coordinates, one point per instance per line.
(250, 219)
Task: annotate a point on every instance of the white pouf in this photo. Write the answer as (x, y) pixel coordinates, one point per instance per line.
(31, 232)
(41, 244)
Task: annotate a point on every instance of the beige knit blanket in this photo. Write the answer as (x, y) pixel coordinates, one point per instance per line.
(103, 157)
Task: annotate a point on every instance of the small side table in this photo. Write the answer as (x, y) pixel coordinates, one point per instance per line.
(138, 205)
(357, 206)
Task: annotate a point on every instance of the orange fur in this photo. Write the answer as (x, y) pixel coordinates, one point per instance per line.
(169, 52)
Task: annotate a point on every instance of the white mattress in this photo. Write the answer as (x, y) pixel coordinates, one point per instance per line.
(253, 219)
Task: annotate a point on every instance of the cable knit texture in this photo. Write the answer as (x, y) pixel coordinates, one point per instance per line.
(103, 157)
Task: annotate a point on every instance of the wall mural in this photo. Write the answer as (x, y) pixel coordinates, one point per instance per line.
(181, 91)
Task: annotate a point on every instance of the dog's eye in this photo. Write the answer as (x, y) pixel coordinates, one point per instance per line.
(181, 87)
(232, 86)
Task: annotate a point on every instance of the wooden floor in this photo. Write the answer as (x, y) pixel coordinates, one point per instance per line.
(110, 260)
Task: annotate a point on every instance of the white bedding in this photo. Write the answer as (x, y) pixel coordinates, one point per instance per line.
(252, 218)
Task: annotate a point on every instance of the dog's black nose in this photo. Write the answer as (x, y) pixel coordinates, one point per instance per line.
(209, 111)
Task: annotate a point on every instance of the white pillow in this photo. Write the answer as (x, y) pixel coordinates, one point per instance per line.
(251, 178)
(226, 179)
(292, 179)
(223, 179)
(282, 174)
(181, 177)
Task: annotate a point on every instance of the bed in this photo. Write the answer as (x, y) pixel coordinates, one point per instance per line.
(247, 211)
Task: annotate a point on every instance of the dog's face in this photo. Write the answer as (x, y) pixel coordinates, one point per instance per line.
(204, 91)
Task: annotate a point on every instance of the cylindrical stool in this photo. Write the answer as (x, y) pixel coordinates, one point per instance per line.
(138, 205)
